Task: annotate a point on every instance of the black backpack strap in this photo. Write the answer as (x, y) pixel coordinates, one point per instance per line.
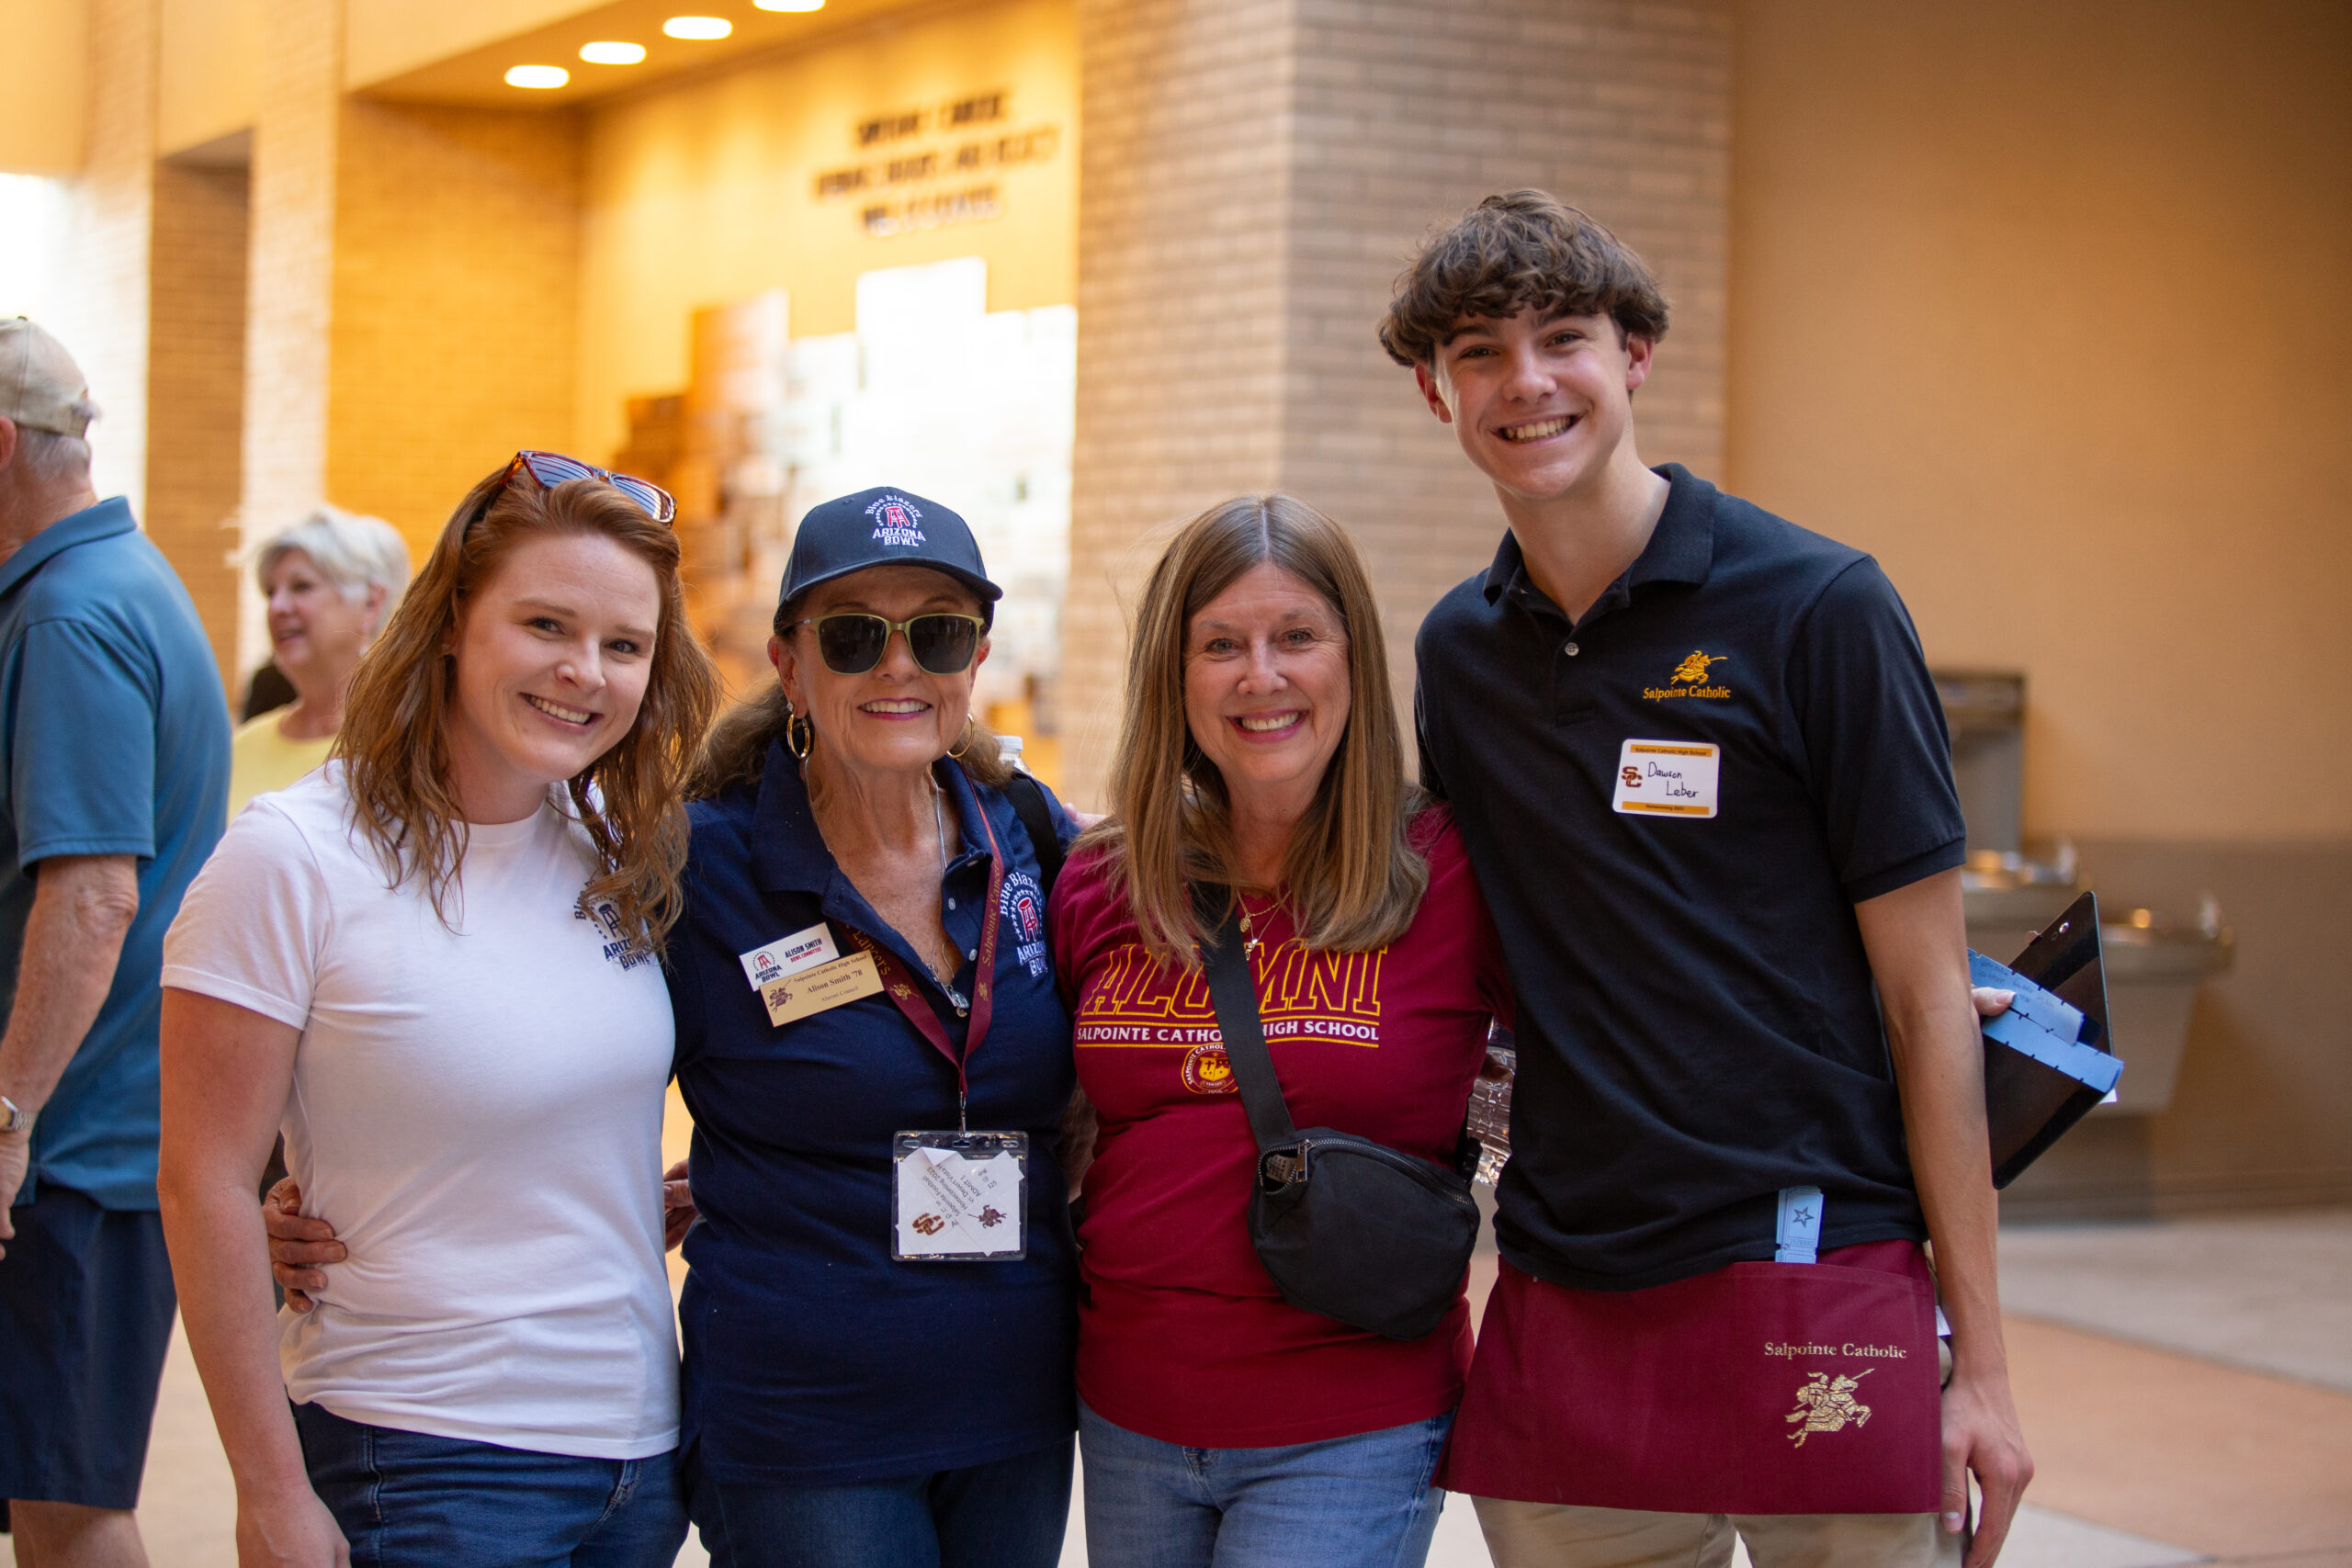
(1028, 797)
(1227, 961)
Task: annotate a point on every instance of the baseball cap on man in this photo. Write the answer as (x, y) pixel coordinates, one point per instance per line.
(41, 386)
(883, 526)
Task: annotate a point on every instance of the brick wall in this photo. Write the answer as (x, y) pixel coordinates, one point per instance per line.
(1182, 193)
(195, 387)
(103, 322)
(1255, 175)
(456, 277)
(290, 280)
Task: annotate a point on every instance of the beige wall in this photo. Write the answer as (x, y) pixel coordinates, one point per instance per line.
(42, 112)
(457, 238)
(384, 37)
(205, 84)
(2046, 306)
(705, 193)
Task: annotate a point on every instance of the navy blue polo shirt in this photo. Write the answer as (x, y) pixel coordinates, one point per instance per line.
(811, 1357)
(114, 740)
(1673, 805)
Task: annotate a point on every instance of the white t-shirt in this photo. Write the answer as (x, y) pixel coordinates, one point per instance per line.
(477, 1113)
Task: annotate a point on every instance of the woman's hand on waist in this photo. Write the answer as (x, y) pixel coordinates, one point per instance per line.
(678, 1211)
(300, 1246)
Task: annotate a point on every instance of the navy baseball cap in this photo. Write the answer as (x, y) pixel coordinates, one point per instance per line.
(883, 526)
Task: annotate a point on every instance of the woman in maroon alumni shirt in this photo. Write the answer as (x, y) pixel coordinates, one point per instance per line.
(1221, 1425)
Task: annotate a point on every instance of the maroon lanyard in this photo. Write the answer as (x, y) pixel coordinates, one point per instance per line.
(901, 986)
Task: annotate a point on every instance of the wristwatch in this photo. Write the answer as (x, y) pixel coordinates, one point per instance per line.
(17, 1120)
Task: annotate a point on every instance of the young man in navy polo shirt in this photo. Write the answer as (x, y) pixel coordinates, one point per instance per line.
(1703, 777)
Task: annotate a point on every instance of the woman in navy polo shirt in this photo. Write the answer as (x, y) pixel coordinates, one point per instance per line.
(878, 1317)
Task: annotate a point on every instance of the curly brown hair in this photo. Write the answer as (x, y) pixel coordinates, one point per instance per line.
(1519, 249)
(395, 743)
(1350, 876)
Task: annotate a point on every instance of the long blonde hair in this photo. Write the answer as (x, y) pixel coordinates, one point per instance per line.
(1352, 879)
(394, 741)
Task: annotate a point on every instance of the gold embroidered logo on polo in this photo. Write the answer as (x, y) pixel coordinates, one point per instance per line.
(1690, 679)
(1824, 1405)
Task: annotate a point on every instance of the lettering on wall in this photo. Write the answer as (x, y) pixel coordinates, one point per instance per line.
(931, 167)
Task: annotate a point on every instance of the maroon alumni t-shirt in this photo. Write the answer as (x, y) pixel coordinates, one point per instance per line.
(1182, 1334)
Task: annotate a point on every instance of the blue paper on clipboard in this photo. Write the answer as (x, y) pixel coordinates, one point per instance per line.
(2044, 1026)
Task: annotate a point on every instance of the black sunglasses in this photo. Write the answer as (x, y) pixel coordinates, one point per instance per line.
(853, 642)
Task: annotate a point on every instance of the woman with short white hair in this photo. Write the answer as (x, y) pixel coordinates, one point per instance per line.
(331, 581)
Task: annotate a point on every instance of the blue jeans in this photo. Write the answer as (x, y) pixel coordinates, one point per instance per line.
(408, 1500)
(1357, 1502)
(1011, 1513)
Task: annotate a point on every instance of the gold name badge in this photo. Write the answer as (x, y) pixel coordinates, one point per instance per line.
(826, 986)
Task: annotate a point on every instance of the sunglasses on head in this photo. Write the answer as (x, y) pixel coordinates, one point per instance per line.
(552, 469)
(852, 642)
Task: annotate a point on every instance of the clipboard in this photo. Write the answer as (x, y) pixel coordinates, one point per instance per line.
(2047, 1061)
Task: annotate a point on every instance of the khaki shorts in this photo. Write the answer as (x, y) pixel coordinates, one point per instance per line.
(1550, 1535)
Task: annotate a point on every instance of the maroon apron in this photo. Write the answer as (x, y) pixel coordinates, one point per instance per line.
(1760, 1388)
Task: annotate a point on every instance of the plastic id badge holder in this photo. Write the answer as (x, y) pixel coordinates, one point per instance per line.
(959, 1197)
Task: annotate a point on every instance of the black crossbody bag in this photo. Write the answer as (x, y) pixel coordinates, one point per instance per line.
(1348, 1227)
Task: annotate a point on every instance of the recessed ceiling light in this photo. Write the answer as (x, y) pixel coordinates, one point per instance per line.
(697, 26)
(789, 5)
(612, 53)
(538, 76)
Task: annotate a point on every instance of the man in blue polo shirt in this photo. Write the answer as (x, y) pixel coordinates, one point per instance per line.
(114, 775)
(1703, 779)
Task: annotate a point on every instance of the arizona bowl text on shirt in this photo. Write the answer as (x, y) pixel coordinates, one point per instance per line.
(1182, 1336)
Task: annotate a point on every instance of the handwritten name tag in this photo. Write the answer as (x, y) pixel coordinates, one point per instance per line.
(1667, 778)
(825, 987)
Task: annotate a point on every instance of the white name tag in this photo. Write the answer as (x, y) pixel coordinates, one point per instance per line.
(789, 955)
(1667, 778)
(958, 1195)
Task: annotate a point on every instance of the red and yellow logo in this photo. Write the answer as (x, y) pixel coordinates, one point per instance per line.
(1301, 994)
(1206, 1071)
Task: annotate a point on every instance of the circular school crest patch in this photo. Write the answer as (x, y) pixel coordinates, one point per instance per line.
(1206, 1071)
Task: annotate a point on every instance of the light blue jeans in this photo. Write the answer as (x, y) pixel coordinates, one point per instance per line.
(1359, 1502)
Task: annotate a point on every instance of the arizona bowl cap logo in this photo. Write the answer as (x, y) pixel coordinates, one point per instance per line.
(1023, 903)
(897, 521)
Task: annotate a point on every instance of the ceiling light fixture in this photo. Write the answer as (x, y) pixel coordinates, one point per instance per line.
(541, 76)
(789, 5)
(612, 53)
(697, 26)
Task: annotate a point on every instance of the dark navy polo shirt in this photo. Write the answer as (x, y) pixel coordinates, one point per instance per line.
(1697, 1025)
(811, 1358)
(114, 740)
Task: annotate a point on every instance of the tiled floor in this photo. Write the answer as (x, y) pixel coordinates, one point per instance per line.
(2187, 1388)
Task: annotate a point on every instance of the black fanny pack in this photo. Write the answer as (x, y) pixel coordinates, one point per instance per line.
(1348, 1227)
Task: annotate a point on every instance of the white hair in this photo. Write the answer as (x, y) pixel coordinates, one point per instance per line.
(50, 456)
(354, 553)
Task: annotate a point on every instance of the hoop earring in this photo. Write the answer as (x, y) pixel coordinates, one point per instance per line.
(800, 738)
(957, 751)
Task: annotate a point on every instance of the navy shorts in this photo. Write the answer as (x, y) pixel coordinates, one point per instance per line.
(85, 1317)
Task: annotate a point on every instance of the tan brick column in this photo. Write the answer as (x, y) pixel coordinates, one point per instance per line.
(104, 319)
(1315, 140)
(196, 384)
(290, 279)
(1182, 232)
